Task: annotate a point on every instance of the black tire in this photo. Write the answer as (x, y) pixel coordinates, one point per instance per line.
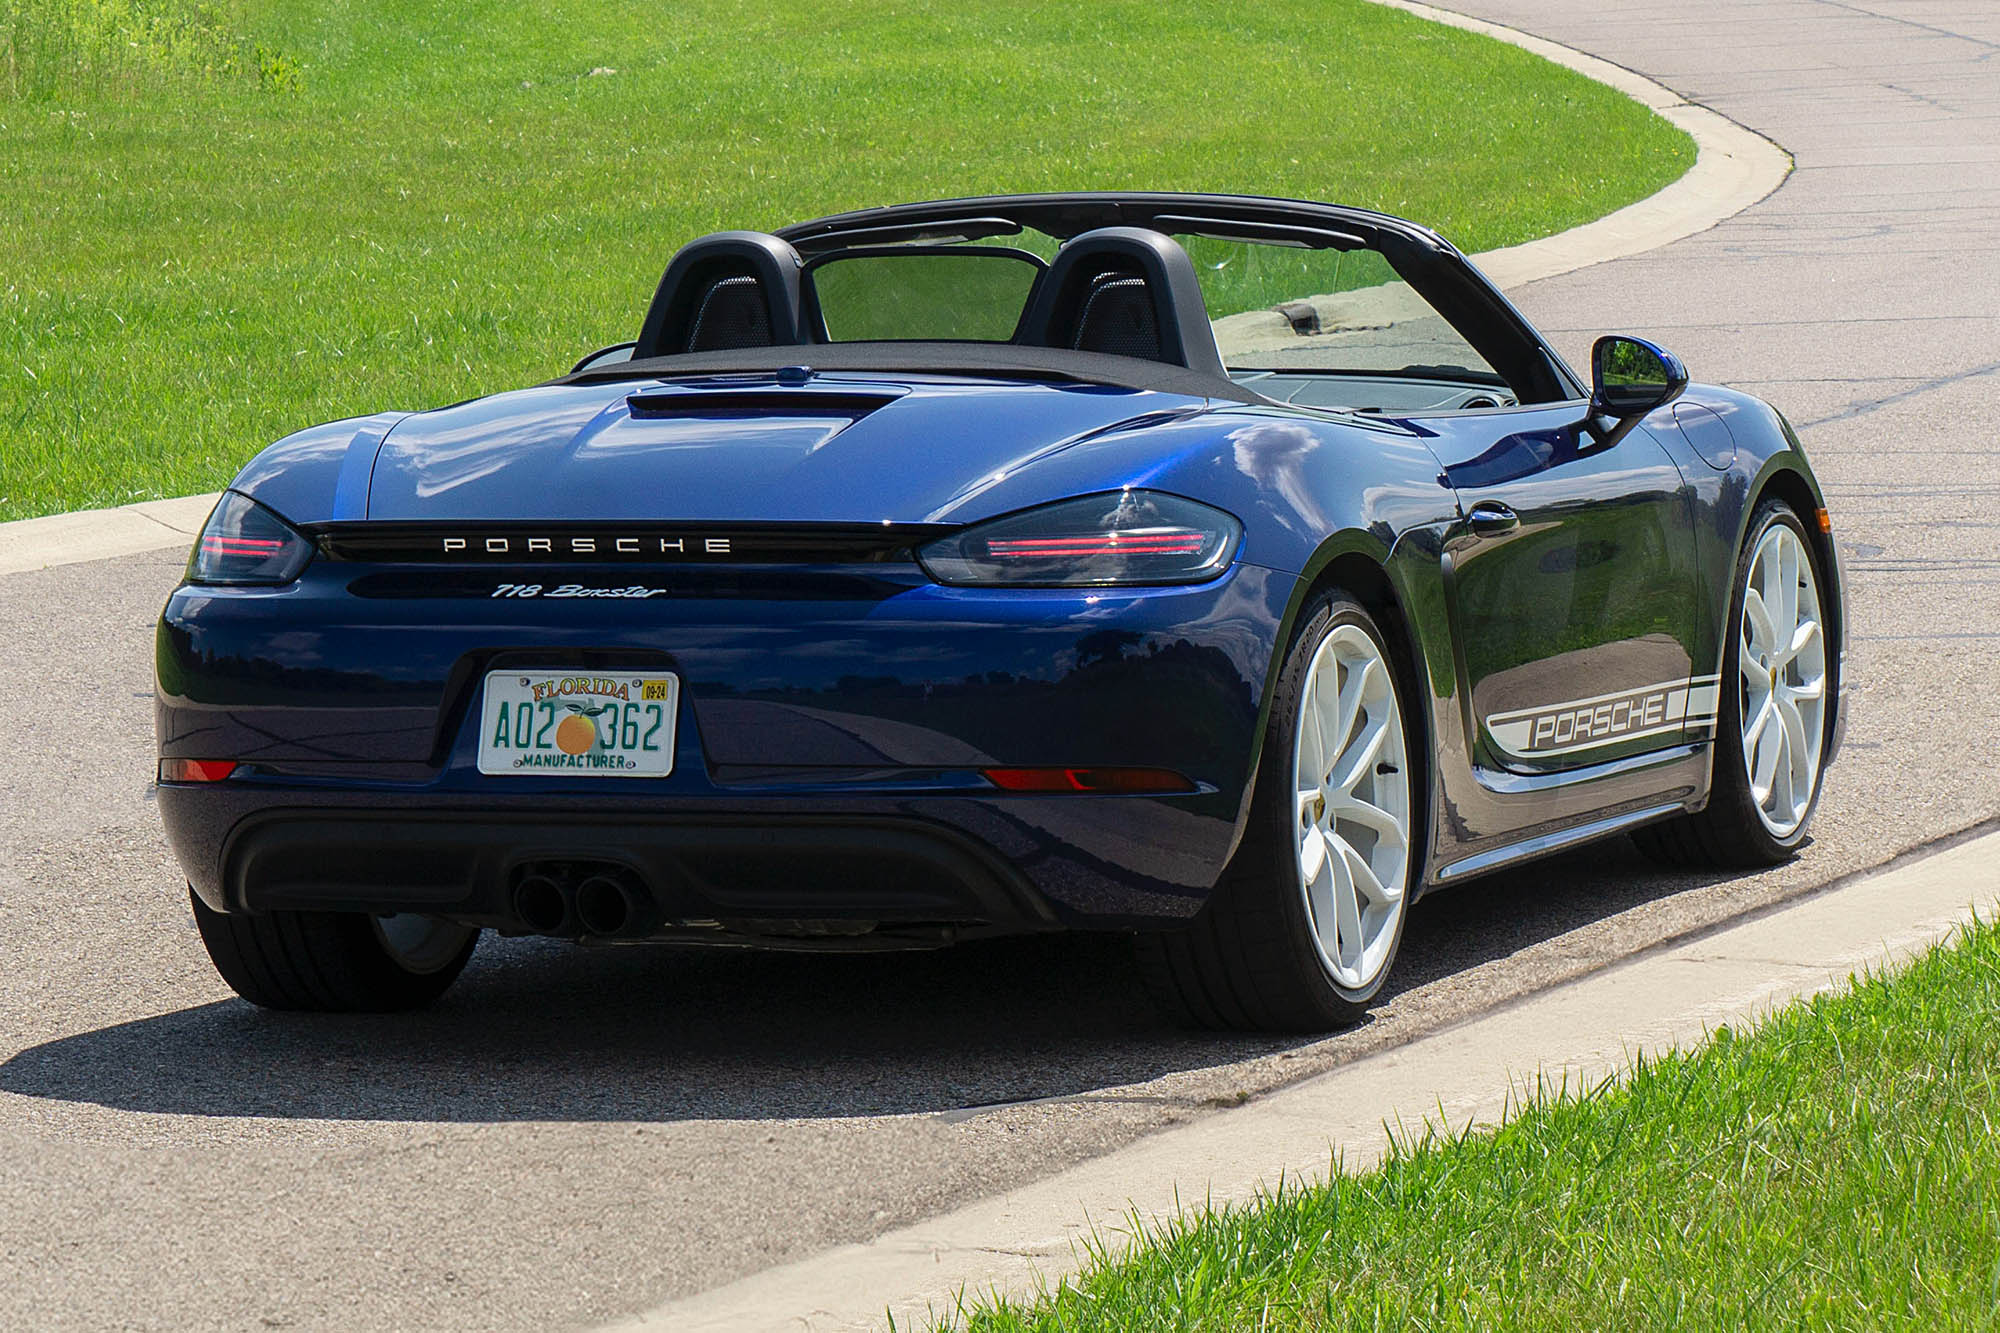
(1248, 961)
(1728, 833)
(325, 962)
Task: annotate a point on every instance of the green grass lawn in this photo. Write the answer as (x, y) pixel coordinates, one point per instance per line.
(219, 223)
(1838, 1168)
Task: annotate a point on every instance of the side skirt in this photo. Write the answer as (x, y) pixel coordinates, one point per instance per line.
(1550, 843)
(1581, 806)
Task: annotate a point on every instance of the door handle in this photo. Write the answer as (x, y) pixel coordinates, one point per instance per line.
(1490, 517)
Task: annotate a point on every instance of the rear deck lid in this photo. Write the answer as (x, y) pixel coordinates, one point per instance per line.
(840, 449)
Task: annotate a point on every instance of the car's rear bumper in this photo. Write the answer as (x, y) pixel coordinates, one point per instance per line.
(828, 763)
(818, 877)
(948, 866)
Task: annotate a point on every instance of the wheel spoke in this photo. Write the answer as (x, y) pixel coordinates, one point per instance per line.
(1757, 619)
(1365, 879)
(1387, 827)
(1798, 776)
(1360, 757)
(1802, 638)
(1771, 594)
(1766, 710)
(1350, 704)
(1764, 765)
(1780, 803)
(1788, 574)
(1346, 911)
(1312, 854)
(1321, 892)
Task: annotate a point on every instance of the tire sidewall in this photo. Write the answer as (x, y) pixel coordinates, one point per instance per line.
(1730, 783)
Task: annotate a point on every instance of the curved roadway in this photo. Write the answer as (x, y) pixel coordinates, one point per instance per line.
(577, 1136)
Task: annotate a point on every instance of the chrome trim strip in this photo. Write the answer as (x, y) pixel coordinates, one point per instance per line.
(1497, 780)
(1552, 842)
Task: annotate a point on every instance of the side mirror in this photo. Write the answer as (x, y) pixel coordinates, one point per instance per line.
(604, 356)
(1630, 377)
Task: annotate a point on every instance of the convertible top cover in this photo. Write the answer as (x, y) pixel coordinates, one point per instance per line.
(995, 360)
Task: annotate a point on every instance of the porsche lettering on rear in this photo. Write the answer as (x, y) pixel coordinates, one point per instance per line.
(660, 547)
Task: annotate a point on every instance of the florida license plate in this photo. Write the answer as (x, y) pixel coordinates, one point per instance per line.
(571, 724)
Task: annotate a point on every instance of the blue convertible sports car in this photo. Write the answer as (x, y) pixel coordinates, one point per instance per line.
(1225, 571)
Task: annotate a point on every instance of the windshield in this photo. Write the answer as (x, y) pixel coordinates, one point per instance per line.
(1278, 307)
(1327, 324)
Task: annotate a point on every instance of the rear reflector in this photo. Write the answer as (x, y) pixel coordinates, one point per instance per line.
(196, 770)
(1125, 781)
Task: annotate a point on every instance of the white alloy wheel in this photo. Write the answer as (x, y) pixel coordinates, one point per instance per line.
(1352, 826)
(1781, 667)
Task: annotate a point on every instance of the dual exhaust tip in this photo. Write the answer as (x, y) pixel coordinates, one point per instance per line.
(604, 901)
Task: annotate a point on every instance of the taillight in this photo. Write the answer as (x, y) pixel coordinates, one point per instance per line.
(1123, 537)
(245, 543)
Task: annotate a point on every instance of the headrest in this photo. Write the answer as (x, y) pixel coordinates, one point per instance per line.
(730, 290)
(1128, 291)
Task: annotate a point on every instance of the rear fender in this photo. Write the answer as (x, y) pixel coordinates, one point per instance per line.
(311, 475)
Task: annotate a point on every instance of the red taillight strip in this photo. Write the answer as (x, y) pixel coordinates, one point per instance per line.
(1106, 538)
(1125, 781)
(242, 545)
(1112, 544)
(196, 770)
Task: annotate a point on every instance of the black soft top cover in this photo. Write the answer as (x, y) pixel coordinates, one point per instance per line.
(980, 360)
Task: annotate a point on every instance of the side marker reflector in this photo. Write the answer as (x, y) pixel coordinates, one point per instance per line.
(1110, 781)
(1825, 523)
(196, 770)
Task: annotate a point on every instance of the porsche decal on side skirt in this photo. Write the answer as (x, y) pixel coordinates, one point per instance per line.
(1606, 719)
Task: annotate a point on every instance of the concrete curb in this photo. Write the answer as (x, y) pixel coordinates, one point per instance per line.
(1733, 169)
(1574, 1035)
(99, 534)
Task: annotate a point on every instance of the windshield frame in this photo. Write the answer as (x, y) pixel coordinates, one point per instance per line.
(1442, 276)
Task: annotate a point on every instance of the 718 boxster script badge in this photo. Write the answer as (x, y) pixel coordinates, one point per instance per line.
(571, 724)
(574, 590)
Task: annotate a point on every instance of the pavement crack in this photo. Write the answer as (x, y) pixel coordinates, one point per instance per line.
(1931, 28)
(1863, 409)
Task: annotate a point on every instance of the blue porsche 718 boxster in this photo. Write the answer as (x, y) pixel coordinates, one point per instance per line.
(1226, 571)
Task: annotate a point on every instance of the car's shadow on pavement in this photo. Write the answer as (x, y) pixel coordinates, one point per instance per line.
(537, 1030)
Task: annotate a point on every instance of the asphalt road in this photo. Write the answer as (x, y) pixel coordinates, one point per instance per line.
(577, 1135)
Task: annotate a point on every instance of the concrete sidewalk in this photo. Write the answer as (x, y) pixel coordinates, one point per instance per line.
(1473, 1073)
(101, 534)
